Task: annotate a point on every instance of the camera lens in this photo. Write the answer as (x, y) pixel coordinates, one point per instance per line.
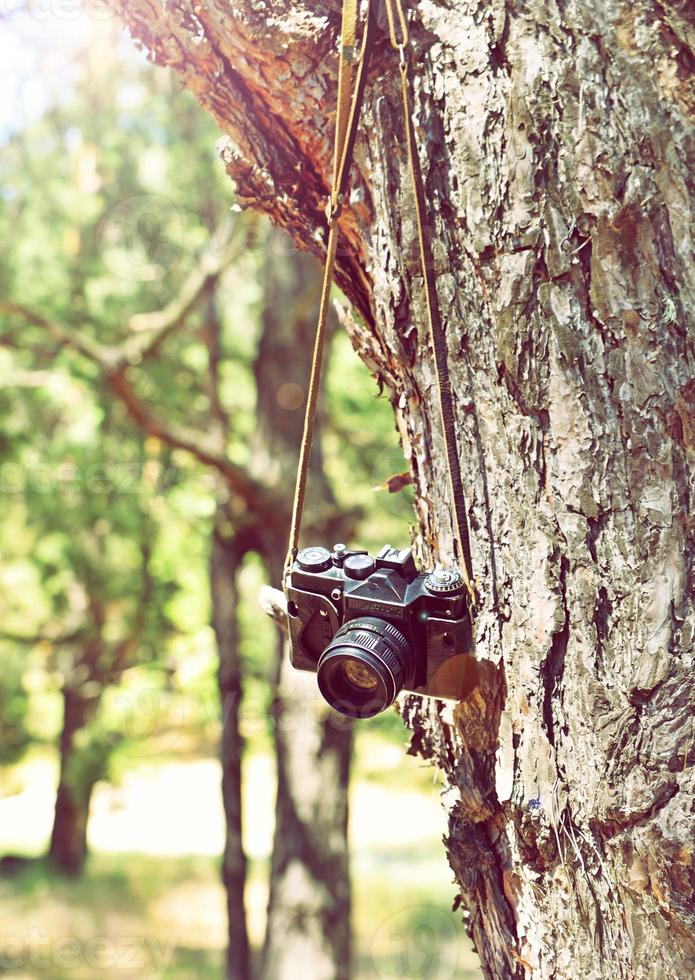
(360, 675)
(364, 667)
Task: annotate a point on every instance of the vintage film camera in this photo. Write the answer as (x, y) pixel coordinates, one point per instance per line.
(371, 627)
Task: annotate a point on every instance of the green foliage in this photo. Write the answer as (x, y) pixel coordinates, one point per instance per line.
(88, 763)
(108, 197)
(14, 705)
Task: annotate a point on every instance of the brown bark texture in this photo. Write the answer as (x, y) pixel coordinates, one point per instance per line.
(68, 844)
(556, 141)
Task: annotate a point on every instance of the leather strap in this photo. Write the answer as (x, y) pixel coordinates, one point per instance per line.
(347, 116)
(398, 29)
(348, 40)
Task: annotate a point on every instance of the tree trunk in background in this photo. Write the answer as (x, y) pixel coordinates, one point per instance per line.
(309, 900)
(226, 554)
(309, 907)
(557, 146)
(68, 846)
(308, 926)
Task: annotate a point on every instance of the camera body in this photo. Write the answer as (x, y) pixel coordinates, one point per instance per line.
(370, 627)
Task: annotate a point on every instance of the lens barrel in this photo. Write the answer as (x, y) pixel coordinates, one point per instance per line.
(364, 667)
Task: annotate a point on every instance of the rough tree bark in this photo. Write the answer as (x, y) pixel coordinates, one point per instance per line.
(557, 144)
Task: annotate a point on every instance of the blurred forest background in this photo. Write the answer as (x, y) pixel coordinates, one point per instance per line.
(153, 341)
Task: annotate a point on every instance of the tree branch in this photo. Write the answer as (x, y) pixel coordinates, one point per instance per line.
(149, 330)
(154, 328)
(274, 604)
(80, 341)
(205, 449)
(28, 379)
(54, 640)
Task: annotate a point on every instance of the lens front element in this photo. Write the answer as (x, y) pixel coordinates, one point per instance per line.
(359, 675)
(364, 667)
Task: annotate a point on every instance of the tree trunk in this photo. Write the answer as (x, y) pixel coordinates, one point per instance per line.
(308, 930)
(309, 895)
(226, 554)
(308, 925)
(68, 846)
(556, 142)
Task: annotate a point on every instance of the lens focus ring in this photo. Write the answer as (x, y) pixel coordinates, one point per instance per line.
(378, 637)
(381, 649)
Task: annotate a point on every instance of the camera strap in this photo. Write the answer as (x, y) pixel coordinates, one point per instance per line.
(350, 95)
(347, 116)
